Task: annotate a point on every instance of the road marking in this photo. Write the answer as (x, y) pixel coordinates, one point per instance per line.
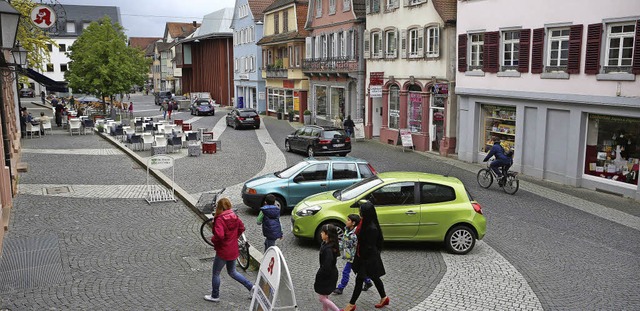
(90, 191)
(104, 151)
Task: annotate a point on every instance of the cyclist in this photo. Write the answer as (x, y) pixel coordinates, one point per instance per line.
(503, 159)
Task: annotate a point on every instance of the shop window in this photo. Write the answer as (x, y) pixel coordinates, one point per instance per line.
(612, 150)
(394, 107)
(498, 122)
(321, 101)
(337, 103)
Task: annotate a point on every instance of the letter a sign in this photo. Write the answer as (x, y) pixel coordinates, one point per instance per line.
(43, 16)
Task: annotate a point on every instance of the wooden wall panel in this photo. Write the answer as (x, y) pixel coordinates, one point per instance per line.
(212, 69)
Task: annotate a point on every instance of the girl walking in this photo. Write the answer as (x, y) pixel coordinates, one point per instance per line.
(327, 275)
(348, 245)
(226, 229)
(367, 262)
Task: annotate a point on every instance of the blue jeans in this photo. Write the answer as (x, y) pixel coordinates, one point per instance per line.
(218, 264)
(345, 276)
(268, 243)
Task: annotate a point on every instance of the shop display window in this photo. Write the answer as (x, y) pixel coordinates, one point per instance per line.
(321, 101)
(612, 150)
(500, 122)
(415, 112)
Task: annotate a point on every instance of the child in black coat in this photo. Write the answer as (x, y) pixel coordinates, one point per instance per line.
(327, 275)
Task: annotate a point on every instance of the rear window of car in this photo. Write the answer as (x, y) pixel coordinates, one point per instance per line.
(248, 114)
(365, 171)
(435, 193)
(344, 171)
(203, 103)
(333, 134)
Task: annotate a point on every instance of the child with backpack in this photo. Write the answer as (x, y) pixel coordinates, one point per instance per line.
(269, 218)
(348, 246)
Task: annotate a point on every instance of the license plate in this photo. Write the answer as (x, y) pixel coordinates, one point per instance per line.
(249, 119)
(338, 145)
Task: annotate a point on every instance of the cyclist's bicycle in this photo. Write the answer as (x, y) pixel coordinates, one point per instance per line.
(206, 232)
(509, 181)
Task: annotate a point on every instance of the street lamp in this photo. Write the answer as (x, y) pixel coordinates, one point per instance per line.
(9, 18)
(19, 55)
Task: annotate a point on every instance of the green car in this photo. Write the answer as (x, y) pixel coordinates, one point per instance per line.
(411, 206)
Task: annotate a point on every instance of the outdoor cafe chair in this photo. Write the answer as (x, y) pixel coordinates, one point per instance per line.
(88, 124)
(46, 126)
(136, 141)
(31, 129)
(74, 126)
(147, 140)
(175, 142)
(160, 145)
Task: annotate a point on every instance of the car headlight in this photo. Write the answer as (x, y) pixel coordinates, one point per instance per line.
(309, 211)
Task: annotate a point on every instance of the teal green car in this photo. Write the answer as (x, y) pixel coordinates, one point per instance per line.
(411, 206)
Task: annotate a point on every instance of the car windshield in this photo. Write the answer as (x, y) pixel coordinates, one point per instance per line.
(288, 172)
(333, 133)
(357, 188)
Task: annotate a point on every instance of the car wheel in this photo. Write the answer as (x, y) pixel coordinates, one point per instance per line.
(336, 223)
(213, 114)
(460, 240)
(310, 151)
(287, 147)
(280, 203)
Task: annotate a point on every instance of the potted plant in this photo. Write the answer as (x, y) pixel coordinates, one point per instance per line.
(291, 115)
(307, 117)
(100, 128)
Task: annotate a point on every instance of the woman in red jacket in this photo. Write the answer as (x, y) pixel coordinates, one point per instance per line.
(226, 229)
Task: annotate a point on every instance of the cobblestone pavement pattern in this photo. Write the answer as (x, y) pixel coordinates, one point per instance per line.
(69, 248)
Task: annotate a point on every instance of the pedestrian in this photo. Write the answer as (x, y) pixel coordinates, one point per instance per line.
(43, 120)
(72, 103)
(226, 229)
(269, 218)
(368, 262)
(58, 111)
(43, 96)
(348, 245)
(163, 108)
(327, 275)
(23, 122)
(170, 108)
(348, 126)
(130, 110)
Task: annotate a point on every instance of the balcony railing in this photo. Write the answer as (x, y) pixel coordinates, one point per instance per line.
(276, 72)
(340, 65)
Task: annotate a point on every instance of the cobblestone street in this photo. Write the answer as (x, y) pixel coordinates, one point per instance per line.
(82, 237)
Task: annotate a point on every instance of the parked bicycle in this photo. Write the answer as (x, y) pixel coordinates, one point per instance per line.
(509, 181)
(206, 232)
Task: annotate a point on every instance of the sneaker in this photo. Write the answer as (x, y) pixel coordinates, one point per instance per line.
(337, 291)
(251, 291)
(366, 286)
(211, 298)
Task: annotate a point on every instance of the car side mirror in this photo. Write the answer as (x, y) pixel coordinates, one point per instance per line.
(298, 179)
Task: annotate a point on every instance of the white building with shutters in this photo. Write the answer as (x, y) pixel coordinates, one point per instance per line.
(409, 47)
(559, 85)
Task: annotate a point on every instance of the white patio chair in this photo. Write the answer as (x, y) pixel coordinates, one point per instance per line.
(74, 126)
(46, 126)
(32, 129)
(147, 140)
(160, 145)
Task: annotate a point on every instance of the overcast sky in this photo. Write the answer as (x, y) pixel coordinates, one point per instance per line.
(147, 18)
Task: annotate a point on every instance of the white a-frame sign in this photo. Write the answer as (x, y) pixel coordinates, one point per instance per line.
(274, 289)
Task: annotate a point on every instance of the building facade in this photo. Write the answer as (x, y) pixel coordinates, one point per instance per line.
(283, 50)
(247, 28)
(409, 46)
(206, 58)
(333, 64)
(78, 18)
(558, 85)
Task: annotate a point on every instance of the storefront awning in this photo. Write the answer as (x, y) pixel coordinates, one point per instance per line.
(49, 83)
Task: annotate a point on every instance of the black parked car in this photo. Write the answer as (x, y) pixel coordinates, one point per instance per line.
(319, 140)
(243, 117)
(162, 96)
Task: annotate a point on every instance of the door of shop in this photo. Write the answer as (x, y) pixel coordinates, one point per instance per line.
(377, 116)
(436, 120)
